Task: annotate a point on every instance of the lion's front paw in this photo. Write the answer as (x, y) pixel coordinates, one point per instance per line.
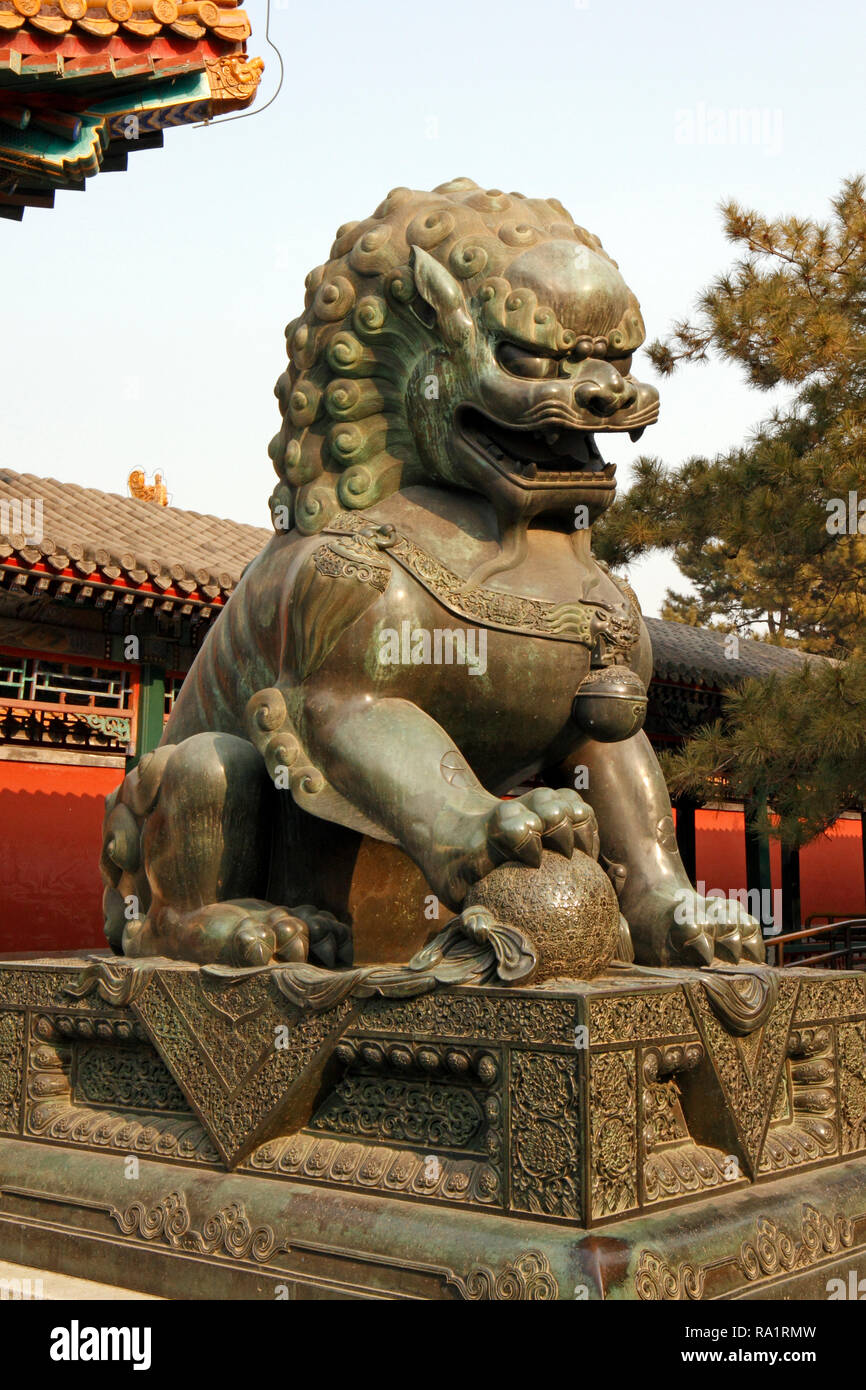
(542, 819)
(676, 926)
(737, 934)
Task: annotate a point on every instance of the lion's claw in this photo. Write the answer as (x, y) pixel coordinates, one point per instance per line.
(515, 833)
(737, 933)
(692, 944)
(543, 819)
(330, 941)
(253, 944)
(753, 944)
(729, 946)
(292, 939)
(560, 839)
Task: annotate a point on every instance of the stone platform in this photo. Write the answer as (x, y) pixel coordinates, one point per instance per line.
(29, 1284)
(651, 1134)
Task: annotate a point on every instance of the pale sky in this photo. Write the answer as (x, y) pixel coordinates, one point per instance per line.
(144, 320)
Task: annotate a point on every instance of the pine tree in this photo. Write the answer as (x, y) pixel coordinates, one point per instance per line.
(764, 532)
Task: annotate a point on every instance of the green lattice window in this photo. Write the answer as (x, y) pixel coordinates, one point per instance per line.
(66, 703)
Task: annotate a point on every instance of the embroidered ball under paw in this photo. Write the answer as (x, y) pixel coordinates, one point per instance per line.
(568, 908)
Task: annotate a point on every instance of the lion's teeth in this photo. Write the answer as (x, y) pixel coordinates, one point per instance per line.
(530, 470)
(634, 435)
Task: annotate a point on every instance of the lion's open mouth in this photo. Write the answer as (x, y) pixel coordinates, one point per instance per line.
(552, 454)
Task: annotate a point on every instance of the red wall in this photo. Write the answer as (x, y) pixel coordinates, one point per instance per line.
(50, 837)
(50, 832)
(831, 873)
(831, 867)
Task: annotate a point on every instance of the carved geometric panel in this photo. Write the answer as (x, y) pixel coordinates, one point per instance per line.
(640, 1016)
(396, 1110)
(748, 1074)
(478, 1017)
(53, 1113)
(246, 1060)
(828, 998)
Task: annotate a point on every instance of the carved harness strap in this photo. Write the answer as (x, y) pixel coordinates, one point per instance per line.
(354, 557)
(583, 621)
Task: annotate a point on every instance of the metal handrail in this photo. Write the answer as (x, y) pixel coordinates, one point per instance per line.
(828, 919)
(832, 955)
(847, 925)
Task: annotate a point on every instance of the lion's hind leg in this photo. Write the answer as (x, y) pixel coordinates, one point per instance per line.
(205, 850)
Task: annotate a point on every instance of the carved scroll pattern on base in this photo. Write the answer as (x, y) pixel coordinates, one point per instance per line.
(613, 1121)
(770, 1253)
(545, 1134)
(11, 1069)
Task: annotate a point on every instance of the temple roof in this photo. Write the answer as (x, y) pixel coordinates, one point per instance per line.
(699, 654)
(85, 83)
(119, 544)
(85, 536)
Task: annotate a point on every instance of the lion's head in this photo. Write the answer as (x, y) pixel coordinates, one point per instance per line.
(478, 339)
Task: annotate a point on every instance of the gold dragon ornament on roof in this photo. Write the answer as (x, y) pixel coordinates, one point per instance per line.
(147, 492)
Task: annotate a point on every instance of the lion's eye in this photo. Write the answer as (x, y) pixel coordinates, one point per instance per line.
(522, 363)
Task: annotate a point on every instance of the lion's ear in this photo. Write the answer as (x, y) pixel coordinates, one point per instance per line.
(438, 288)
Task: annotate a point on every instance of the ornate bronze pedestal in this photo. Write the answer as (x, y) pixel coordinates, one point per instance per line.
(197, 1135)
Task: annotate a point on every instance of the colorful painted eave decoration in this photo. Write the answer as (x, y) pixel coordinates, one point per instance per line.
(84, 85)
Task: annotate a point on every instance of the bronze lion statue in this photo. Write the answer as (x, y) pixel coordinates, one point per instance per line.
(427, 631)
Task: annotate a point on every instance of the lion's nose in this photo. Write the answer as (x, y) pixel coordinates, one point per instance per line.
(604, 391)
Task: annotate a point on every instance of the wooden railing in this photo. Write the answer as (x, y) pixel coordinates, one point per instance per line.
(848, 956)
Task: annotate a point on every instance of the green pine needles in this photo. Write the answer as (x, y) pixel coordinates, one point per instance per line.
(772, 534)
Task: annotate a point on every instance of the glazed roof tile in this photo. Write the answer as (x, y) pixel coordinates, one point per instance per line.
(682, 653)
(126, 540)
(138, 18)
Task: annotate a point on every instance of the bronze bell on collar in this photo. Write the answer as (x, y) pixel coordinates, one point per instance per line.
(610, 703)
